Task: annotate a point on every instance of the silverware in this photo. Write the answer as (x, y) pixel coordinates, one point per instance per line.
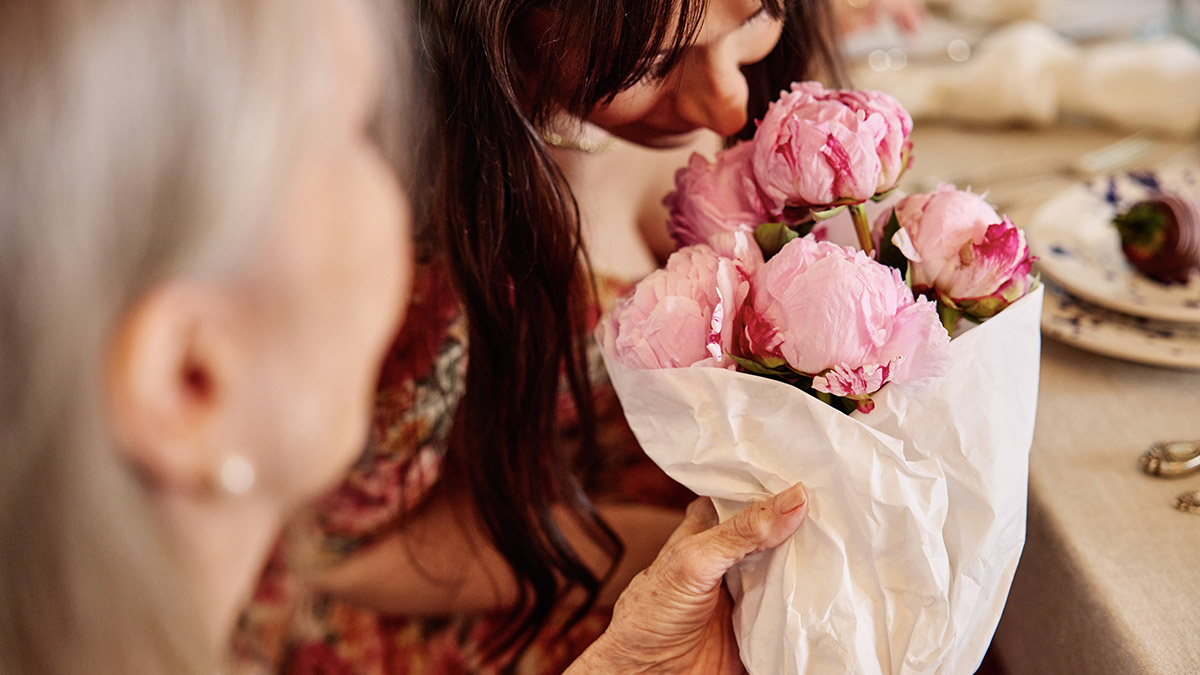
(1121, 154)
(1171, 458)
(1188, 502)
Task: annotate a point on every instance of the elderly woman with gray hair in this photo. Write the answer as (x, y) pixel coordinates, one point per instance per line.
(202, 260)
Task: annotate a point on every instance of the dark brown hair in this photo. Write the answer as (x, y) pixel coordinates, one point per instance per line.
(806, 50)
(509, 227)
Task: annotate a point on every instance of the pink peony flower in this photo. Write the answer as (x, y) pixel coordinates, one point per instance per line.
(818, 147)
(714, 199)
(962, 250)
(681, 315)
(851, 323)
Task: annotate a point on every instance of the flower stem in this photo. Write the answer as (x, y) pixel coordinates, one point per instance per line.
(862, 227)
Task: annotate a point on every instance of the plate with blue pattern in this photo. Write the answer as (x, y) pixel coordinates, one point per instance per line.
(1078, 248)
(1080, 324)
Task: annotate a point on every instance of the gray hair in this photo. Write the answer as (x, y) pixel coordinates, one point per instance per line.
(140, 140)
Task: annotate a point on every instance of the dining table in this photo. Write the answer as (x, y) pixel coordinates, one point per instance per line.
(1109, 578)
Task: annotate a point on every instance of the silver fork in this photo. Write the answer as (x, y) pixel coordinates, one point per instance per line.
(1117, 155)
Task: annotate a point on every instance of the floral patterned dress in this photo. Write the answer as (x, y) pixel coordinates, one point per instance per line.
(288, 629)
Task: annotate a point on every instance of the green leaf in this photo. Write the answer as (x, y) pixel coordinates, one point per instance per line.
(819, 216)
(889, 253)
(949, 313)
(845, 404)
(770, 366)
(803, 228)
(799, 218)
(880, 196)
(772, 237)
(777, 369)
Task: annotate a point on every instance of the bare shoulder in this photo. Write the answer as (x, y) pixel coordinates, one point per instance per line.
(620, 193)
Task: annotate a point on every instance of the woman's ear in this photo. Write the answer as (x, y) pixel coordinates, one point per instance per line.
(170, 368)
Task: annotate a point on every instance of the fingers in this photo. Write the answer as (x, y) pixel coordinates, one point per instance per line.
(759, 526)
(699, 561)
(909, 15)
(911, 18)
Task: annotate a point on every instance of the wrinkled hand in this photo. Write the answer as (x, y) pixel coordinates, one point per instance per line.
(675, 615)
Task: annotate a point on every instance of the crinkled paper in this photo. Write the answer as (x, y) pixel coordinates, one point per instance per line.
(917, 509)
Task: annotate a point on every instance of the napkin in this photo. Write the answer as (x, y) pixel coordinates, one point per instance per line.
(1026, 73)
(1151, 85)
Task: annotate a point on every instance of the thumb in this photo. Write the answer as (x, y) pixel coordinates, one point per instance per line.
(700, 516)
(756, 528)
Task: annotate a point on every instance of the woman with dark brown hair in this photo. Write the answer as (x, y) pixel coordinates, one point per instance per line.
(499, 509)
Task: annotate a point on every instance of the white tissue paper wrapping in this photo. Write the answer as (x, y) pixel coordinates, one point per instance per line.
(917, 509)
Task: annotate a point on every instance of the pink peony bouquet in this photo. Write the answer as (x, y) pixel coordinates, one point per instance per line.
(820, 316)
(763, 354)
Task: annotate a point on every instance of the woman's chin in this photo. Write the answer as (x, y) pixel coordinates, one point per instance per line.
(656, 138)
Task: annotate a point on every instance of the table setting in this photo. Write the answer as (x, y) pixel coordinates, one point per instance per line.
(1066, 114)
(1100, 302)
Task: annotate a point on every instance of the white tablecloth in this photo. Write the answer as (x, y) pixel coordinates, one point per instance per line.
(1110, 578)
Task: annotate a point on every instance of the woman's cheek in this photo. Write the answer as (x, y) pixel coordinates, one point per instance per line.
(629, 106)
(761, 40)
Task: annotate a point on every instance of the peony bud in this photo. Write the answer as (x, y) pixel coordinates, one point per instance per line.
(962, 251)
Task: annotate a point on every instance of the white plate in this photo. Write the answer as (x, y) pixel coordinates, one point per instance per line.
(1077, 246)
(1131, 338)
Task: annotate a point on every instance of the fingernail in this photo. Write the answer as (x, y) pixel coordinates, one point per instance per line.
(791, 499)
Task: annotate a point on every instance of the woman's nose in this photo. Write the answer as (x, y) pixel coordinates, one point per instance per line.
(716, 94)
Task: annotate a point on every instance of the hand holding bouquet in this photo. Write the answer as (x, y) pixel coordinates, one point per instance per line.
(761, 356)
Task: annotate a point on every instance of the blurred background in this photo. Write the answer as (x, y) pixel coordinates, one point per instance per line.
(1064, 112)
(1094, 71)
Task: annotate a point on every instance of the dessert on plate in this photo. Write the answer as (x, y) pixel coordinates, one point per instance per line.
(1160, 236)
